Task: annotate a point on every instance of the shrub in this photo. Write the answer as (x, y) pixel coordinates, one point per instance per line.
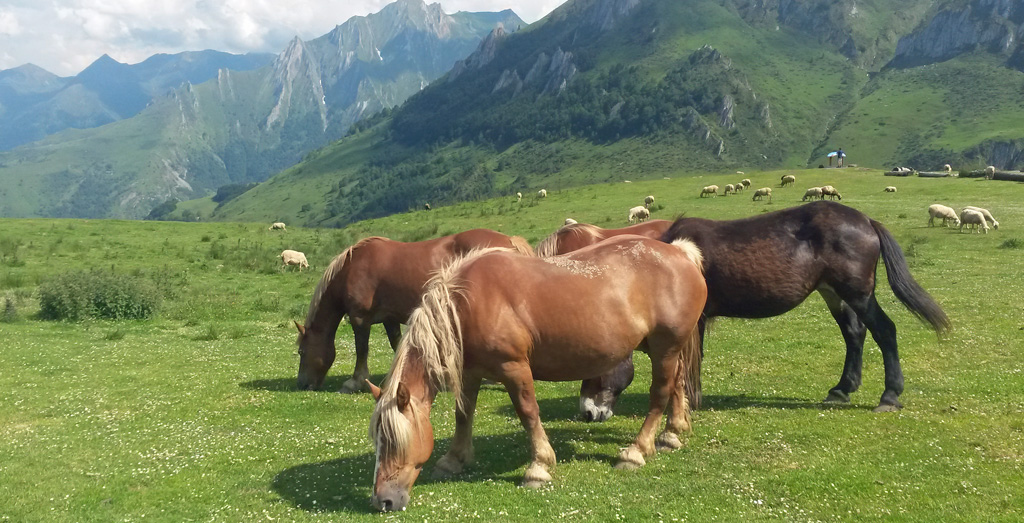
(10, 313)
(1012, 243)
(75, 296)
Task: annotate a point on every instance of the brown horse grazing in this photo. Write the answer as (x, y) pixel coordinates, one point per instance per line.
(768, 264)
(599, 395)
(578, 235)
(515, 319)
(377, 280)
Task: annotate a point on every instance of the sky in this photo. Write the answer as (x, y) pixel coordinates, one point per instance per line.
(65, 36)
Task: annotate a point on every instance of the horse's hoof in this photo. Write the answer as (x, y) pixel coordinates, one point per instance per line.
(837, 396)
(668, 441)
(887, 407)
(536, 476)
(353, 386)
(447, 467)
(630, 459)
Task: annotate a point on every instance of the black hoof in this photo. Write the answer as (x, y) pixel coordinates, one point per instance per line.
(837, 396)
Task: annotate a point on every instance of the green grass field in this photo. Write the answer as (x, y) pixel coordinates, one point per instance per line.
(194, 416)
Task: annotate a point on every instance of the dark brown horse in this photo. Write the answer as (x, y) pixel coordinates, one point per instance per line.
(573, 237)
(377, 280)
(516, 319)
(768, 264)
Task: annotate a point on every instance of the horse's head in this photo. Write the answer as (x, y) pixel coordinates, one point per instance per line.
(403, 438)
(316, 355)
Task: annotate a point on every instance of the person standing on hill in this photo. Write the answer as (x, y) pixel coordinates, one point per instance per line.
(839, 157)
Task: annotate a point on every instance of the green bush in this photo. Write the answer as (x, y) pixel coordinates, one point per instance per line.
(75, 296)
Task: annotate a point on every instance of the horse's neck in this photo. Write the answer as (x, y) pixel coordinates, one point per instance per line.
(415, 377)
(327, 317)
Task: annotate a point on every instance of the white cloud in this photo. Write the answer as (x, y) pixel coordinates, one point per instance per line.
(65, 36)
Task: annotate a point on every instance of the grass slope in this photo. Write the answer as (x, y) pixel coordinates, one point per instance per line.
(194, 416)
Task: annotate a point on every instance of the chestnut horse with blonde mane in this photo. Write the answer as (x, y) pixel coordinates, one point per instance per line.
(377, 280)
(514, 320)
(575, 236)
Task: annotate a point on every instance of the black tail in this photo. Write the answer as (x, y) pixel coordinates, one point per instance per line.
(903, 284)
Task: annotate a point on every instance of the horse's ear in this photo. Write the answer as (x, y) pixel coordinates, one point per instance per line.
(375, 390)
(402, 396)
(302, 330)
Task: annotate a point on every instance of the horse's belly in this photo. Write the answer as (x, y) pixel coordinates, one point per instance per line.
(568, 360)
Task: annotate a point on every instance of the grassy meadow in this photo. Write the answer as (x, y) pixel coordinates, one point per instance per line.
(193, 415)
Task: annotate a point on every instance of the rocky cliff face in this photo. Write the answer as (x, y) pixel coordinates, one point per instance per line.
(996, 26)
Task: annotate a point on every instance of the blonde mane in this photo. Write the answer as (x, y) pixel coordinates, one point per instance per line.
(333, 269)
(435, 335)
(549, 246)
(692, 252)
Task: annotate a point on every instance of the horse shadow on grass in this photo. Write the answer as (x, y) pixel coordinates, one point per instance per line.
(344, 485)
(331, 383)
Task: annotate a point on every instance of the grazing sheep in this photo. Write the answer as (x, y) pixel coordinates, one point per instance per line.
(990, 171)
(948, 168)
(426, 206)
(570, 221)
(741, 173)
(937, 210)
(739, 187)
(975, 218)
(831, 192)
(710, 189)
(290, 257)
(728, 189)
(649, 201)
(745, 182)
(812, 193)
(762, 192)
(890, 189)
(276, 225)
(519, 196)
(543, 193)
(788, 179)
(639, 214)
(988, 215)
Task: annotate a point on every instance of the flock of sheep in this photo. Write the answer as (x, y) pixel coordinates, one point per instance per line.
(970, 216)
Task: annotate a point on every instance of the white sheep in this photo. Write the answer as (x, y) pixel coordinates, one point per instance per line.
(890, 189)
(710, 189)
(290, 257)
(988, 215)
(831, 192)
(990, 172)
(728, 189)
(975, 218)
(739, 187)
(639, 214)
(812, 193)
(788, 179)
(948, 168)
(649, 201)
(543, 193)
(745, 182)
(762, 192)
(519, 196)
(937, 210)
(276, 225)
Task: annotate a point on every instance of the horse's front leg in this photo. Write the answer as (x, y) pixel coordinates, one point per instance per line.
(361, 373)
(665, 365)
(519, 383)
(461, 452)
(854, 331)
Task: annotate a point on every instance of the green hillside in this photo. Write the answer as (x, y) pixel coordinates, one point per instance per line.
(193, 415)
(594, 93)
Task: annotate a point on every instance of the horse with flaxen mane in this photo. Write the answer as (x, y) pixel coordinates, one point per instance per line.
(768, 264)
(377, 280)
(578, 235)
(515, 319)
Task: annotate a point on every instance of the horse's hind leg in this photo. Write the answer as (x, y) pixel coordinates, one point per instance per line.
(394, 330)
(362, 372)
(665, 365)
(461, 452)
(854, 332)
(883, 330)
(519, 383)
